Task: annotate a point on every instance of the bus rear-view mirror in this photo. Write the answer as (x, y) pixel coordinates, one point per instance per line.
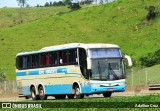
(128, 58)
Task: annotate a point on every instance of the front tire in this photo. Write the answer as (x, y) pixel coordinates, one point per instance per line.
(107, 94)
(77, 93)
(42, 95)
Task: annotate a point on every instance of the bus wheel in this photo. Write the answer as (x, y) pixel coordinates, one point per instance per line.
(77, 93)
(27, 97)
(33, 94)
(42, 96)
(87, 95)
(60, 96)
(107, 94)
(70, 96)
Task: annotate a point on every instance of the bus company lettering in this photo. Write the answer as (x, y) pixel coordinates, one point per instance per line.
(41, 72)
(52, 71)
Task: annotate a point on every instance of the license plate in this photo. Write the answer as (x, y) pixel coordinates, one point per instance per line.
(110, 89)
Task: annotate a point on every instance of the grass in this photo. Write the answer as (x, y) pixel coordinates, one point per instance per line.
(10, 17)
(114, 22)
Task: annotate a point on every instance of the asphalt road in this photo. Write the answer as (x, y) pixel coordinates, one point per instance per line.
(10, 97)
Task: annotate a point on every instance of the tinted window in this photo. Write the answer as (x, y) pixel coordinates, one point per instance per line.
(72, 56)
(53, 60)
(19, 62)
(35, 60)
(44, 59)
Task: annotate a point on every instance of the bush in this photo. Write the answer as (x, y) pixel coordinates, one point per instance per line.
(151, 59)
(2, 75)
(74, 6)
(151, 13)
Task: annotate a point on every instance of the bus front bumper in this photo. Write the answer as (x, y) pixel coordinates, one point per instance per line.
(108, 89)
(97, 90)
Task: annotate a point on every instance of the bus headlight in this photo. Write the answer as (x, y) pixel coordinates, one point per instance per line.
(95, 85)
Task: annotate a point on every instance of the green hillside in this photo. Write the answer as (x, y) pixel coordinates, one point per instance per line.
(10, 17)
(114, 22)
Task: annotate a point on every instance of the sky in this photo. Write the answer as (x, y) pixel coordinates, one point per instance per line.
(14, 3)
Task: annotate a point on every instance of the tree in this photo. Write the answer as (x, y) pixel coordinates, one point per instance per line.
(50, 4)
(74, 6)
(151, 59)
(46, 4)
(151, 13)
(2, 75)
(37, 5)
(60, 3)
(67, 2)
(22, 2)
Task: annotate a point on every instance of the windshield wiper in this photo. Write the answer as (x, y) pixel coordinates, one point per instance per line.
(111, 71)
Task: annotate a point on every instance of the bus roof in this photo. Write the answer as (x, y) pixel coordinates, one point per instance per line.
(69, 46)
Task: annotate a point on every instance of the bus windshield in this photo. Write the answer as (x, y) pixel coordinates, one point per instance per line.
(107, 69)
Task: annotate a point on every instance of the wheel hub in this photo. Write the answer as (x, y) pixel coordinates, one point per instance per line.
(77, 91)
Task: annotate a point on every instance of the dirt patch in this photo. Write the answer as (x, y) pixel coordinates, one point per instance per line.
(140, 89)
(10, 97)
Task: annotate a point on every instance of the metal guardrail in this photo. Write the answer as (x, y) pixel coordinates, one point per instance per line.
(154, 87)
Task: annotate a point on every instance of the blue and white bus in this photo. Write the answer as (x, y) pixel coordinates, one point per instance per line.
(71, 70)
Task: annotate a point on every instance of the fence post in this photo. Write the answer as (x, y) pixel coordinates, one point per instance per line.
(146, 75)
(132, 76)
(5, 87)
(13, 85)
(139, 76)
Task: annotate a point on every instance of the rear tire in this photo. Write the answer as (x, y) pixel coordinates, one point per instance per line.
(77, 93)
(107, 94)
(42, 96)
(70, 96)
(27, 97)
(33, 94)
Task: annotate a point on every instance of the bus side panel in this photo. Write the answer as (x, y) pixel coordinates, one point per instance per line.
(26, 91)
(86, 89)
(58, 89)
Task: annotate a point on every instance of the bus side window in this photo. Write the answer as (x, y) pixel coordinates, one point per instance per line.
(28, 61)
(19, 62)
(65, 57)
(60, 60)
(53, 58)
(47, 60)
(35, 60)
(83, 63)
(44, 59)
(82, 57)
(72, 56)
(24, 62)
